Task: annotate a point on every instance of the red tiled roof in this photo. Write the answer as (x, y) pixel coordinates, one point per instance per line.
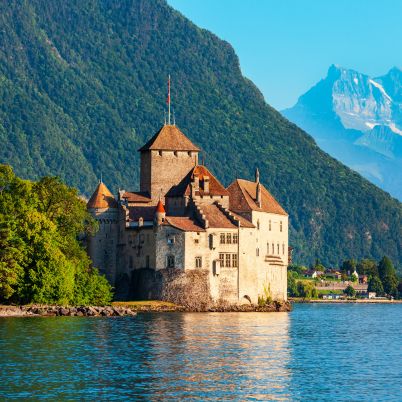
(216, 218)
(200, 171)
(147, 213)
(140, 197)
(160, 207)
(184, 223)
(102, 198)
(169, 138)
(243, 198)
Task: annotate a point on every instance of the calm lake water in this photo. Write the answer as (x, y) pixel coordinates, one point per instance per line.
(315, 353)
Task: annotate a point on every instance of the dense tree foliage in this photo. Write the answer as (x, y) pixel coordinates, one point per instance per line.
(367, 267)
(83, 84)
(388, 276)
(350, 291)
(41, 259)
(375, 285)
(348, 266)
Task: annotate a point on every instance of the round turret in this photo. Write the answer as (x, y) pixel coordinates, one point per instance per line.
(160, 213)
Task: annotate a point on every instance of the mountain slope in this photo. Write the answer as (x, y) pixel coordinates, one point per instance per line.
(358, 120)
(84, 86)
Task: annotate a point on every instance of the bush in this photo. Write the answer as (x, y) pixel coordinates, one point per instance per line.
(350, 291)
(41, 260)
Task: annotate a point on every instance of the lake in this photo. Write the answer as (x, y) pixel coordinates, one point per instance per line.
(315, 353)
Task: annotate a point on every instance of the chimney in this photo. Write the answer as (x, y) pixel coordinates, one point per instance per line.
(206, 185)
(195, 184)
(258, 195)
(257, 175)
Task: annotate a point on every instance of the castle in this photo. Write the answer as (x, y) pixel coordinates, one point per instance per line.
(183, 218)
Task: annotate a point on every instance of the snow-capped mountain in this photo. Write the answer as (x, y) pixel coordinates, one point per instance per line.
(358, 120)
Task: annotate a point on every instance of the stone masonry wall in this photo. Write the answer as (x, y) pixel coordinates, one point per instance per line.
(160, 170)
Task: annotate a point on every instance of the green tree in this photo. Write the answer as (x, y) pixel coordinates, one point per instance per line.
(298, 269)
(348, 266)
(367, 267)
(389, 279)
(400, 289)
(375, 285)
(292, 284)
(350, 291)
(306, 289)
(41, 259)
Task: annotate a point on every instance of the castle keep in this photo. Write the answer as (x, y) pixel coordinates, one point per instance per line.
(183, 218)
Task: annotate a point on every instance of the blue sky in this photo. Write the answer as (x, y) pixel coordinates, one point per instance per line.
(286, 46)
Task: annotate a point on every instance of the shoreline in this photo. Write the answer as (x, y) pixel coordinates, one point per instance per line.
(130, 309)
(357, 301)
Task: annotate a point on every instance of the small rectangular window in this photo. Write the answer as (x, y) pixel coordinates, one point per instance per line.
(170, 261)
(235, 238)
(234, 260)
(223, 238)
(198, 262)
(228, 238)
(273, 248)
(269, 225)
(283, 248)
(278, 248)
(280, 226)
(196, 241)
(257, 251)
(222, 259)
(227, 260)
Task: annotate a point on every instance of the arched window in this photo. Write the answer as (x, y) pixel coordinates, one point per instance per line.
(273, 248)
(278, 248)
(170, 261)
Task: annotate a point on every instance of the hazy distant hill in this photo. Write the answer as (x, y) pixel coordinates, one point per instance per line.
(358, 120)
(83, 85)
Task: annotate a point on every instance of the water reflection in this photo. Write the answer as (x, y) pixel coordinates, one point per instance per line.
(153, 356)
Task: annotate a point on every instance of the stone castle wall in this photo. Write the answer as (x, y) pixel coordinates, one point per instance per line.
(161, 170)
(102, 247)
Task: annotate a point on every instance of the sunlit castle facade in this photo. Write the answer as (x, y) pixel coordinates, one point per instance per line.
(183, 218)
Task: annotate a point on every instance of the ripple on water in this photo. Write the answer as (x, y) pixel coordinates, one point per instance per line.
(320, 352)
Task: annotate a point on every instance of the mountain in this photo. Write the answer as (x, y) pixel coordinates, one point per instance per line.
(83, 86)
(358, 120)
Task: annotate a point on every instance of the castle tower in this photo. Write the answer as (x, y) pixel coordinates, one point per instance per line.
(102, 246)
(160, 213)
(165, 160)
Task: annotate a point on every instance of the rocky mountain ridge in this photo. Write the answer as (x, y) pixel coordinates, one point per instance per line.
(358, 120)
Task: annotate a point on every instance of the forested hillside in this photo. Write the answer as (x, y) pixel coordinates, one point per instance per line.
(83, 85)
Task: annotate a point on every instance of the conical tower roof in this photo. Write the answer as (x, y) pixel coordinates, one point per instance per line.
(102, 198)
(169, 138)
(160, 208)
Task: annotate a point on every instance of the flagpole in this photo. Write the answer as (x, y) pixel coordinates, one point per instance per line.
(169, 100)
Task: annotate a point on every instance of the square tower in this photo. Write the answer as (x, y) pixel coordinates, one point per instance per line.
(165, 160)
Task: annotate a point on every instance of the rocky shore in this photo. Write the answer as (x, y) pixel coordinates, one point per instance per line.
(51, 311)
(131, 308)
